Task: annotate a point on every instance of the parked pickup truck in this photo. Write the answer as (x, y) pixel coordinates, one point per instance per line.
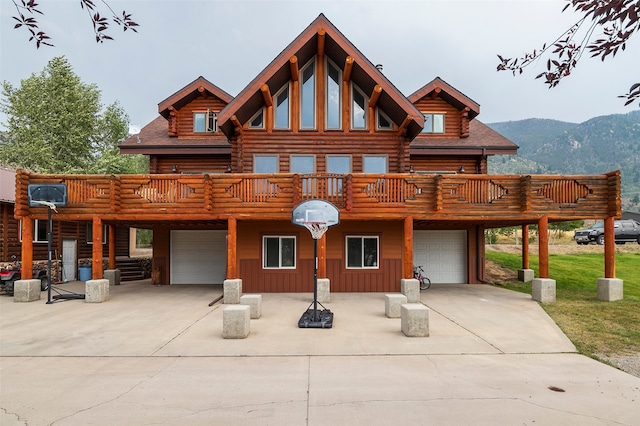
(626, 231)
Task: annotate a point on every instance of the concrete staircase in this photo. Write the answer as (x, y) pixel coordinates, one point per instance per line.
(130, 269)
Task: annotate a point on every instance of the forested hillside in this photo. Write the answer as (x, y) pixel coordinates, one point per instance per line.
(598, 145)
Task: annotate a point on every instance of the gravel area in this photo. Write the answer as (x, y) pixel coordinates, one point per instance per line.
(627, 363)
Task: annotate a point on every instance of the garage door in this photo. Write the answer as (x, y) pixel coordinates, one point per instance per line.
(198, 257)
(443, 254)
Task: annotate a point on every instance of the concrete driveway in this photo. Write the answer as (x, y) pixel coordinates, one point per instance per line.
(155, 355)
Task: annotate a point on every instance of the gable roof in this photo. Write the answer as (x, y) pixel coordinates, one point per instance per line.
(447, 92)
(337, 48)
(190, 92)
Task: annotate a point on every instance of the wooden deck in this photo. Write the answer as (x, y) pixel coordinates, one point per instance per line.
(491, 199)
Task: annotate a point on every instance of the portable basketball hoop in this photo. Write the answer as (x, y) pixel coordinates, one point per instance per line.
(317, 216)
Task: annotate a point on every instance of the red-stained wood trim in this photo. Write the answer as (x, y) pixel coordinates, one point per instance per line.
(543, 246)
(609, 248)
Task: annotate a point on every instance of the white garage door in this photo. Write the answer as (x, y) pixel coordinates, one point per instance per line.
(443, 254)
(198, 257)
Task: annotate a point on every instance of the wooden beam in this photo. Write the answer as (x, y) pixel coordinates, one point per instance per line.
(407, 269)
(525, 246)
(321, 34)
(609, 248)
(27, 248)
(543, 247)
(237, 124)
(232, 238)
(96, 252)
(373, 100)
(202, 91)
(403, 127)
(266, 95)
(295, 71)
(435, 92)
(348, 67)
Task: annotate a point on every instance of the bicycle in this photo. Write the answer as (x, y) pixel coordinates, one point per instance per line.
(418, 274)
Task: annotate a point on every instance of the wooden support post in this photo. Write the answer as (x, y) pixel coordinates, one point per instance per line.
(293, 66)
(346, 73)
(112, 247)
(322, 256)
(609, 248)
(232, 238)
(27, 248)
(407, 270)
(96, 255)
(543, 247)
(525, 246)
(321, 35)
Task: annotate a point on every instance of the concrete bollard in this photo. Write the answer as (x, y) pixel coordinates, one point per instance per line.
(235, 322)
(414, 320)
(26, 290)
(393, 303)
(96, 291)
(113, 275)
(543, 290)
(610, 289)
(525, 275)
(254, 301)
(324, 291)
(232, 290)
(410, 287)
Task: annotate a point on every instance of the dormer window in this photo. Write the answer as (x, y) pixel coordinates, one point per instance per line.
(281, 110)
(257, 121)
(433, 123)
(205, 122)
(383, 122)
(358, 108)
(308, 96)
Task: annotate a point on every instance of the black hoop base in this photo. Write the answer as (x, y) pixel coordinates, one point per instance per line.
(316, 318)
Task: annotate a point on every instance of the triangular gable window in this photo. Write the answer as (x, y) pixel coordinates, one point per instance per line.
(281, 110)
(359, 108)
(257, 121)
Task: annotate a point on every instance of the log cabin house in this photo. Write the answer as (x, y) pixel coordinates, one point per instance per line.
(407, 173)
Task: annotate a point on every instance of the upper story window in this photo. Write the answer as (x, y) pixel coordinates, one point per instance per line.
(383, 122)
(302, 164)
(278, 252)
(339, 164)
(308, 96)
(265, 164)
(358, 108)
(281, 110)
(334, 96)
(257, 121)
(433, 123)
(90, 233)
(374, 164)
(205, 122)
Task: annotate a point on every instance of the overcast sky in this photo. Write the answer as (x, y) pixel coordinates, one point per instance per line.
(230, 42)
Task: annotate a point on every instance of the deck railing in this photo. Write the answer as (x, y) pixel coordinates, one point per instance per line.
(356, 195)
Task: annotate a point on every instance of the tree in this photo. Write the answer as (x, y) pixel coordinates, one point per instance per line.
(618, 20)
(27, 9)
(54, 125)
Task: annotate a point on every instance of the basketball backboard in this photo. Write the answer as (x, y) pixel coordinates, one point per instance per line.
(317, 211)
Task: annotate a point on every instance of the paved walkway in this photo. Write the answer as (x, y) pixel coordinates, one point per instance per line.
(155, 355)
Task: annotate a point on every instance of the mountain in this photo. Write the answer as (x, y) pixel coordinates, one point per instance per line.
(599, 145)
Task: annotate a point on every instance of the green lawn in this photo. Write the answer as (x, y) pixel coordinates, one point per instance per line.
(596, 328)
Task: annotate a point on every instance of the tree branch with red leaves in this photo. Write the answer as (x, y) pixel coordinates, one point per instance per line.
(27, 10)
(618, 21)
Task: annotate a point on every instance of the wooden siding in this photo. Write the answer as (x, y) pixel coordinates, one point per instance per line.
(185, 114)
(189, 164)
(452, 119)
(434, 164)
(496, 199)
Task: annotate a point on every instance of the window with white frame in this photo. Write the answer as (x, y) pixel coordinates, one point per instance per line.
(90, 233)
(433, 123)
(281, 110)
(383, 122)
(265, 164)
(278, 252)
(205, 122)
(374, 164)
(358, 108)
(308, 96)
(334, 96)
(39, 231)
(362, 252)
(257, 121)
